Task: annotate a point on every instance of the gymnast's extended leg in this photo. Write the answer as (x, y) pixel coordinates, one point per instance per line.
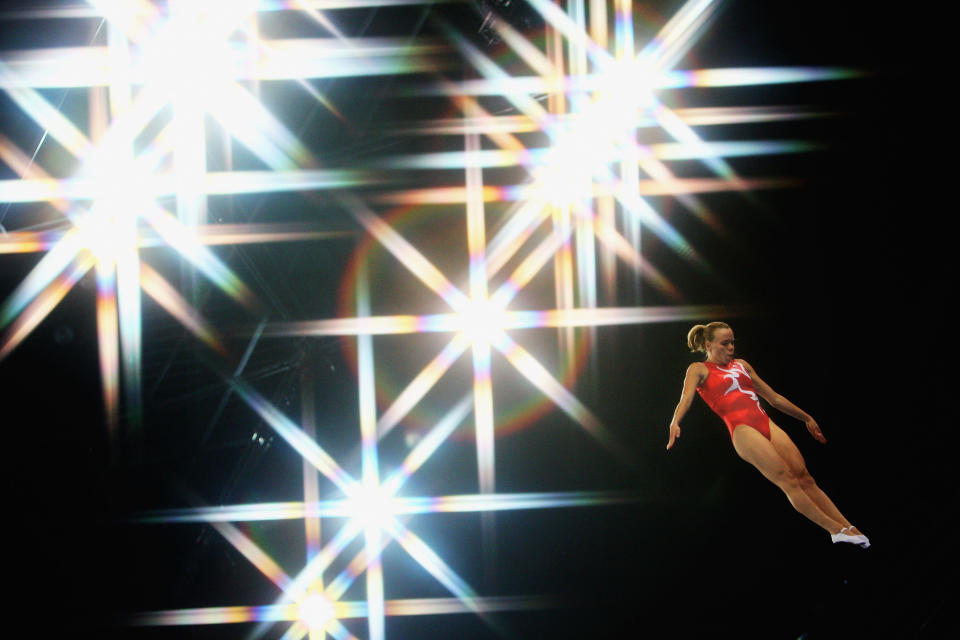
(788, 451)
(753, 447)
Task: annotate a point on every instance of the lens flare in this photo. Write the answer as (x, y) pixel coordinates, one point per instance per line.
(555, 162)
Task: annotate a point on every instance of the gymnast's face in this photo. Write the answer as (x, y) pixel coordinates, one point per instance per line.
(720, 349)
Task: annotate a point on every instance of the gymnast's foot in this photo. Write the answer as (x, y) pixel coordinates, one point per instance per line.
(850, 535)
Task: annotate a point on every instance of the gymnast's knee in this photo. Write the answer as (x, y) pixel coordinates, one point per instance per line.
(787, 479)
(804, 479)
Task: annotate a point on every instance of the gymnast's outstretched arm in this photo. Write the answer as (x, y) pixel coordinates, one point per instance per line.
(696, 374)
(780, 403)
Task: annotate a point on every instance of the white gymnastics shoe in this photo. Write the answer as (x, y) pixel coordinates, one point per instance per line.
(858, 539)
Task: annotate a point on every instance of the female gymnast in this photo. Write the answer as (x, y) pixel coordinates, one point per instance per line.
(730, 387)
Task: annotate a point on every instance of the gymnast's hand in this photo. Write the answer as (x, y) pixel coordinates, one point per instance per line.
(814, 430)
(674, 434)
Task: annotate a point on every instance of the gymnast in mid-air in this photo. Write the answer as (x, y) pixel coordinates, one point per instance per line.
(730, 387)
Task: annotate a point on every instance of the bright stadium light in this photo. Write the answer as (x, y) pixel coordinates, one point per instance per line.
(370, 507)
(481, 322)
(317, 612)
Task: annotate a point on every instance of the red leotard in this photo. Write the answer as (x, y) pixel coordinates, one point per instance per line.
(729, 392)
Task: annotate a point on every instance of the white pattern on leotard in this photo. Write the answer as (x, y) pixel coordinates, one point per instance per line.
(733, 374)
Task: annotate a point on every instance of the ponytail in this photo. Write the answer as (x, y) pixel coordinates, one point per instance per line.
(700, 334)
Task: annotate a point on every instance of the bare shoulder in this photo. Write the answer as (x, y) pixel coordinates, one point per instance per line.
(699, 371)
(748, 368)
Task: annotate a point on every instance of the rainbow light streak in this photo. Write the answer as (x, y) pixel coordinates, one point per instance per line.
(248, 121)
(435, 565)
(320, 18)
(744, 77)
(488, 125)
(518, 228)
(28, 241)
(477, 192)
(536, 373)
(618, 316)
(683, 133)
(369, 463)
(529, 268)
(503, 320)
(298, 629)
(339, 585)
(508, 502)
(623, 29)
(287, 59)
(376, 325)
(167, 297)
(659, 172)
(293, 59)
(45, 67)
(606, 217)
(342, 610)
(311, 480)
(64, 254)
(295, 436)
(626, 251)
(144, 9)
(407, 505)
(42, 112)
(478, 314)
(607, 81)
(598, 23)
(421, 384)
(233, 234)
(240, 182)
(426, 447)
(412, 259)
(127, 268)
(180, 238)
(693, 116)
(529, 53)
(210, 235)
(678, 35)
(681, 151)
(563, 275)
(641, 211)
(42, 303)
(434, 606)
(367, 393)
(253, 553)
(574, 34)
(311, 574)
(446, 195)
(216, 615)
(524, 193)
(108, 329)
(499, 320)
(25, 168)
(521, 100)
(690, 149)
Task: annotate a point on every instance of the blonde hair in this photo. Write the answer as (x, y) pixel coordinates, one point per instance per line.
(700, 334)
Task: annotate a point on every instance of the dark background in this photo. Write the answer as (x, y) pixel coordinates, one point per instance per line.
(851, 275)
